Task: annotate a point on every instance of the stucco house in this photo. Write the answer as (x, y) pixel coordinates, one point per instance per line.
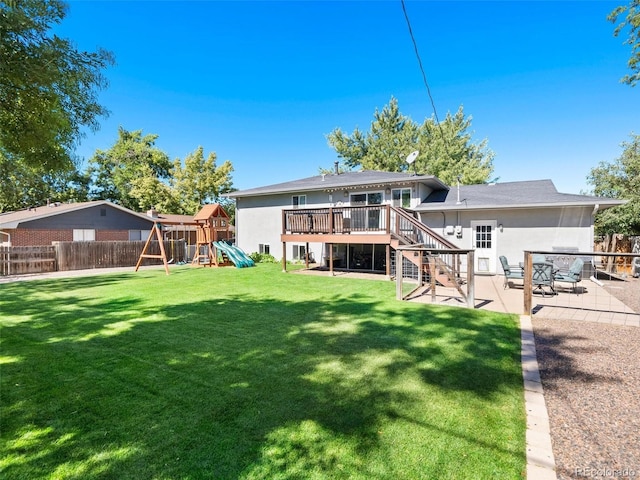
(357, 219)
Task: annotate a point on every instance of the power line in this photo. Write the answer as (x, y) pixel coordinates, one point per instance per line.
(424, 75)
(424, 78)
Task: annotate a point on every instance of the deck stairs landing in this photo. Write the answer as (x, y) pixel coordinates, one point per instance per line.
(406, 230)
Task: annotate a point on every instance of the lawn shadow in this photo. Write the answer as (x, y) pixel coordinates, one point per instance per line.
(234, 386)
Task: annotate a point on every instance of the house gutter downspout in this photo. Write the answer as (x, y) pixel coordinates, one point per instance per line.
(8, 252)
(596, 207)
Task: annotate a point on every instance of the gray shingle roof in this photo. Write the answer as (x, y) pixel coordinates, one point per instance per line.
(14, 219)
(533, 193)
(348, 180)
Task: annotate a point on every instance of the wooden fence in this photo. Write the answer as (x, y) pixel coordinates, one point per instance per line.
(63, 256)
(23, 260)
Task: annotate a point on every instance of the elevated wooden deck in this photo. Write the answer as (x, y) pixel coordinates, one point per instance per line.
(370, 224)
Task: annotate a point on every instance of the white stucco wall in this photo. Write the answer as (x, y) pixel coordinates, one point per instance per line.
(544, 229)
(259, 219)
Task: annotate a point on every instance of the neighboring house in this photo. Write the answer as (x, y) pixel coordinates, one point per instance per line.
(87, 221)
(359, 218)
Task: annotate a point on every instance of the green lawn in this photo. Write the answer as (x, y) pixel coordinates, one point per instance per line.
(253, 374)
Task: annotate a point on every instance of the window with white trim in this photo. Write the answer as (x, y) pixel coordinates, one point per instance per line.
(298, 201)
(84, 234)
(299, 252)
(401, 197)
(136, 235)
(264, 248)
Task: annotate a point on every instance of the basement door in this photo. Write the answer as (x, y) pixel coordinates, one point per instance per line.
(484, 241)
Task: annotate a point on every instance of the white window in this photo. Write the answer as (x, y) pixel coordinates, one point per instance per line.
(298, 201)
(366, 218)
(401, 197)
(373, 198)
(299, 252)
(84, 235)
(264, 248)
(135, 235)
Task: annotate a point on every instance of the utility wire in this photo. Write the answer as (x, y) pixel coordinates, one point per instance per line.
(424, 77)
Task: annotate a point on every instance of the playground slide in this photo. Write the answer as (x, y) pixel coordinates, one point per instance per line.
(247, 259)
(235, 254)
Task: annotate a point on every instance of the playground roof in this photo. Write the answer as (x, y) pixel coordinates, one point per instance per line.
(174, 219)
(209, 211)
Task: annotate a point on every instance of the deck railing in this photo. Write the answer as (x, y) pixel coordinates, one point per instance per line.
(411, 231)
(362, 219)
(371, 218)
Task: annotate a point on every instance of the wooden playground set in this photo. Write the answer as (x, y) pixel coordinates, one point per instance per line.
(211, 250)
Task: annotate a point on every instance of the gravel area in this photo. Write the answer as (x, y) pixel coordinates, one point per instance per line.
(628, 292)
(591, 378)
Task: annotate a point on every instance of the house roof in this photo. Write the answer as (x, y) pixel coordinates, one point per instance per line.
(527, 194)
(343, 181)
(14, 219)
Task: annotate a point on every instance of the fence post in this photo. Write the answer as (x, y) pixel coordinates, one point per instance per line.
(471, 286)
(528, 284)
(57, 255)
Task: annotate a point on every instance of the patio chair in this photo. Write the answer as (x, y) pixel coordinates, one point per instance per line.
(538, 258)
(511, 272)
(541, 277)
(573, 276)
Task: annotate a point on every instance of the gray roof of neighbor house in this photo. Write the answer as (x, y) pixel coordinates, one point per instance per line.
(14, 219)
(342, 181)
(526, 194)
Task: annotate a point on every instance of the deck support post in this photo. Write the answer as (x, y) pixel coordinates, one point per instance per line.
(399, 274)
(432, 273)
(388, 261)
(284, 257)
(306, 255)
(331, 258)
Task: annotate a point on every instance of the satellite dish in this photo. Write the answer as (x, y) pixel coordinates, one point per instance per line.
(412, 157)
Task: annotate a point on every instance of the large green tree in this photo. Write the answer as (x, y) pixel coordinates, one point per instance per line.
(133, 173)
(22, 185)
(619, 179)
(200, 181)
(446, 149)
(48, 88)
(627, 17)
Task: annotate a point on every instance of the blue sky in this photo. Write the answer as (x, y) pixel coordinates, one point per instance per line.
(263, 83)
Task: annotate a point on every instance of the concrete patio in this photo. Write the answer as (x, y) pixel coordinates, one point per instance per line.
(592, 302)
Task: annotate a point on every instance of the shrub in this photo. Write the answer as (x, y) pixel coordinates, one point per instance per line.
(263, 258)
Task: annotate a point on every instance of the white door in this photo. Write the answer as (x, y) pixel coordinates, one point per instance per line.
(483, 239)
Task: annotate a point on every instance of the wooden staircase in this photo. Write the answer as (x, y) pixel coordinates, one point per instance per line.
(407, 230)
